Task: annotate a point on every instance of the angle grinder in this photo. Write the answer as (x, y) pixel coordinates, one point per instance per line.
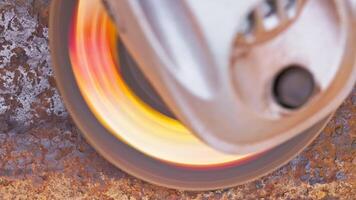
(202, 94)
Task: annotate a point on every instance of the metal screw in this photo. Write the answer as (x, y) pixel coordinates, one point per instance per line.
(293, 87)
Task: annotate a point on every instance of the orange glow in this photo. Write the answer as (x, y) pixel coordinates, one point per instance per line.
(92, 53)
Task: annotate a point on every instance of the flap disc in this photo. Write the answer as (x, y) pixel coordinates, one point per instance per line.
(127, 120)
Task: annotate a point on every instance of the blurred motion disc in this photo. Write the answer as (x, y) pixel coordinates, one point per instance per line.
(126, 122)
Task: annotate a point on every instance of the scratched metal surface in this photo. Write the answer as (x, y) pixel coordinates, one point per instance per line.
(43, 156)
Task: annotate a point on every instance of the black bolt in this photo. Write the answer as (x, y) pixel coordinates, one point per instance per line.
(293, 87)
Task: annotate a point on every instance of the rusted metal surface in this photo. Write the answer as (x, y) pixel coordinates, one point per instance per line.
(43, 155)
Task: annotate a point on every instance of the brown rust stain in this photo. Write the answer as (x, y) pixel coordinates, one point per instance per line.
(43, 156)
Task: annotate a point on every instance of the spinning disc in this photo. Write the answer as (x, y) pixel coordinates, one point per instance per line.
(135, 134)
(92, 53)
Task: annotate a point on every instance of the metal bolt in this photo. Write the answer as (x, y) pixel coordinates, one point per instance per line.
(293, 87)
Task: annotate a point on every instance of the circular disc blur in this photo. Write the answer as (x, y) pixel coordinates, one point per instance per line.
(137, 162)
